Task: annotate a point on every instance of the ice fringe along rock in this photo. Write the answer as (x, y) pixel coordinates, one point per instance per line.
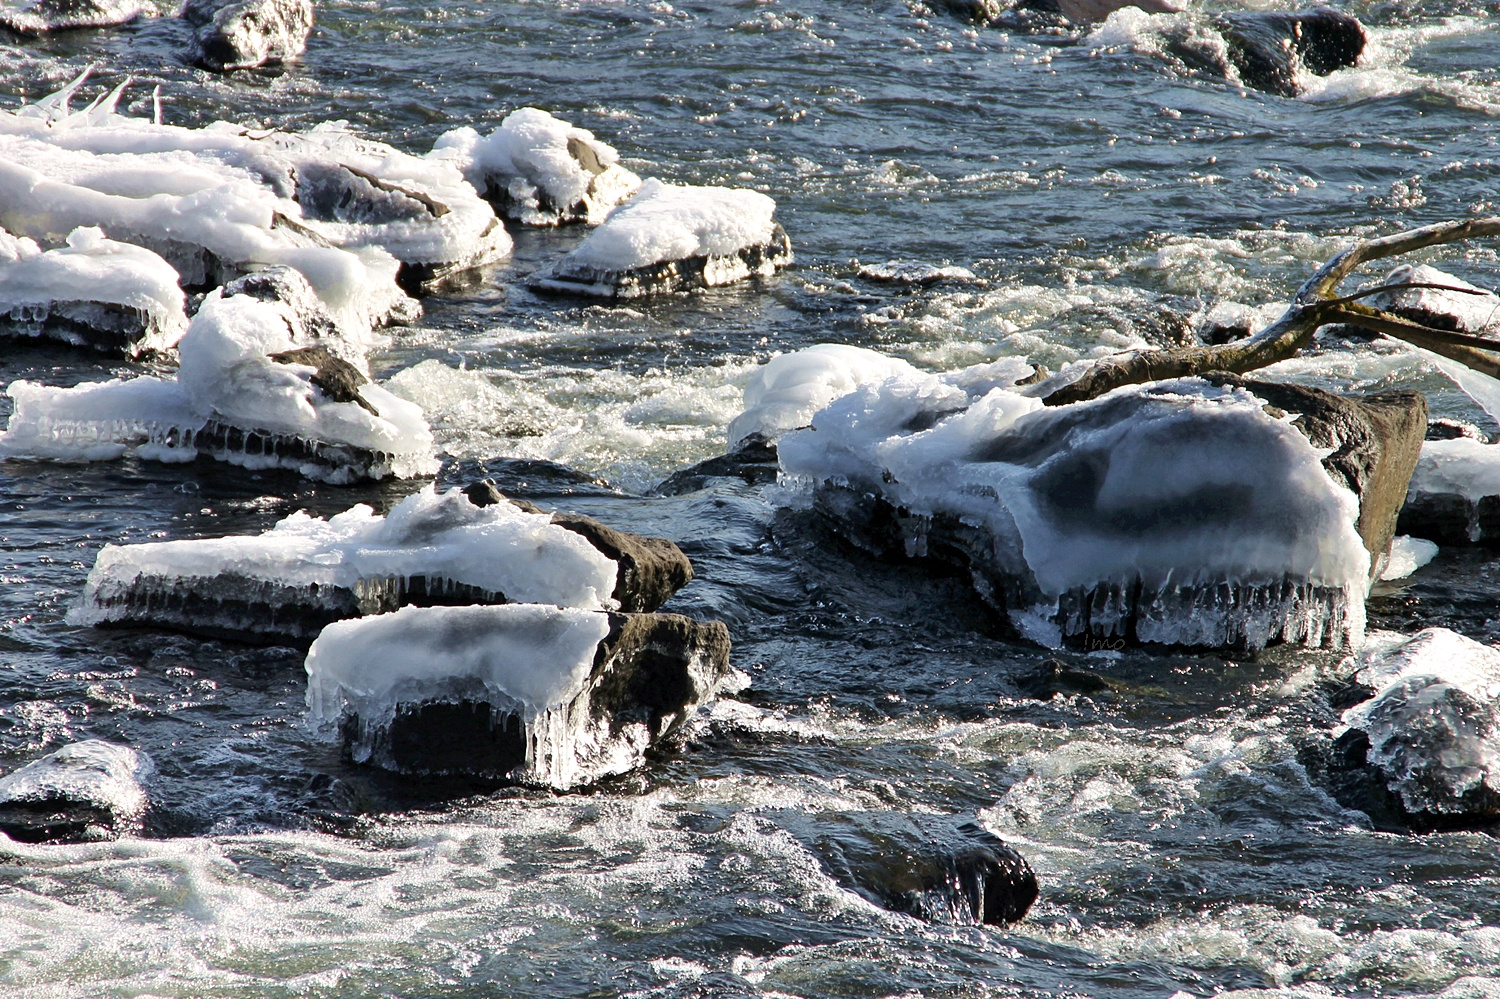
(89, 790)
(93, 292)
(1455, 493)
(674, 238)
(244, 34)
(38, 17)
(521, 692)
(540, 170)
(1431, 730)
(1180, 513)
(243, 394)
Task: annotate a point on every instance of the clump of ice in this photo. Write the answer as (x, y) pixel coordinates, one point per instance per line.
(540, 169)
(1434, 723)
(1180, 492)
(1461, 466)
(230, 400)
(35, 17)
(37, 284)
(445, 539)
(103, 774)
(1407, 555)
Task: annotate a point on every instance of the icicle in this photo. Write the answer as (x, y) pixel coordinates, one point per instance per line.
(98, 112)
(54, 107)
(156, 103)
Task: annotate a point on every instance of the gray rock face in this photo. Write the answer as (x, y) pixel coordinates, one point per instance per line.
(691, 274)
(90, 790)
(244, 34)
(36, 17)
(650, 673)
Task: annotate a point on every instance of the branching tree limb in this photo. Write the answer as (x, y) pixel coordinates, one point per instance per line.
(1315, 304)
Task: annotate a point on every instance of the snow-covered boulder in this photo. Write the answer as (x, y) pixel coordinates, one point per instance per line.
(1454, 498)
(523, 692)
(243, 34)
(1179, 513)
(1448, 303)
(674, 238)
(1430, 733)
(37, 17)
(305, 573)
(243, 394)
(540, 170)
(89, 790)
(93, 292)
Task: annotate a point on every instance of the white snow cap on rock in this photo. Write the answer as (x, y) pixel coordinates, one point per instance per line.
(91, 268)
(498, 548)
(665, 222)
(544, 169)
(103, 773)
(1461, 466)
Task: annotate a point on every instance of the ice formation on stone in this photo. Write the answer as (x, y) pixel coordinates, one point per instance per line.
(92, 292)
(669, 238)
(36, 17)
(243, 34)
(86, 790)
(234, 401)
(540, 170)
(306, 572)
(1407, 556)
(1176, 512)
(1434, 723)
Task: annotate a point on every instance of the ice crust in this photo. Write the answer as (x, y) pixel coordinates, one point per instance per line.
(499, 550)
(1462, 466)
(104, 774)
(666, 222)
(229, 400)
(1434, 723)
(35, 17)
(45, 290)
(1219, 517)
(1407, 556)
(541, 169)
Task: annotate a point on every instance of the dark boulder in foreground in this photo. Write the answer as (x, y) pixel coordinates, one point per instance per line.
(86, 791)
(245, 34)
(526, 693)
(42, 16)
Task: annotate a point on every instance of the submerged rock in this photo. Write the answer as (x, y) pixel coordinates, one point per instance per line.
(752, 460)
(528, 693)
(86, 791)
(244, 34)
(669, 238)
(37, 17)
(108, 296)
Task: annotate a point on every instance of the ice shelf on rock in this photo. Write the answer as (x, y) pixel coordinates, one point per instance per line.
(305, 573)
(88, 790)
(1176, 512)
(1454, 496)
(1434, 723)
(37, 17)
(672, 238)
(244, 395)
(1407, 556)
(93, 292)
(526, 692)
(243, 34)
(540, 170)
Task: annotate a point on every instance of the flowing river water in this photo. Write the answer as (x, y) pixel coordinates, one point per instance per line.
(1181, 843)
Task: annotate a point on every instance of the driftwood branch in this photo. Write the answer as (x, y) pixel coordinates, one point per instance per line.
(1315, 304)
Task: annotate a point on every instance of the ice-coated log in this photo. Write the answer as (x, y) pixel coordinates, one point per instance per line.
(1430, 732)
(521, 692)
(669, 238)
(288, 583)
(37, 17)
(540, 170)
(1179, 513)
(89, 790)
(244, 34)
(94, 292)
(648, 570)
(234, 401)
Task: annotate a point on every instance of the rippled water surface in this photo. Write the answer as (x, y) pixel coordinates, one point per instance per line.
(1181, 843)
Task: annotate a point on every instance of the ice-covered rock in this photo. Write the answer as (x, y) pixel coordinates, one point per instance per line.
(540, 170)
(915, 273)
(37, 17)
(1431, 730)
(1469, 309)
(1175, 513)
(89, 790)
(1454, 498)
(524, 692)
(305, 573)
(232, 399)
(93, 292)
(674, 238)
(243, 34)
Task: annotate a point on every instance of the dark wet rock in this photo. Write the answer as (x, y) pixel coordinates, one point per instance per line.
(1269, 48)
(649, 571)
(41, 16)
(1159, 324)
(1045, 16)
(1228, 322)
(306, 315)
(1053, 676)
(753, 460)
(690, 274)
(650, 674)
(244, 34)
(335, 377)
(106, 327)
(1443, 428)
(531, 477)
(86, 791)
